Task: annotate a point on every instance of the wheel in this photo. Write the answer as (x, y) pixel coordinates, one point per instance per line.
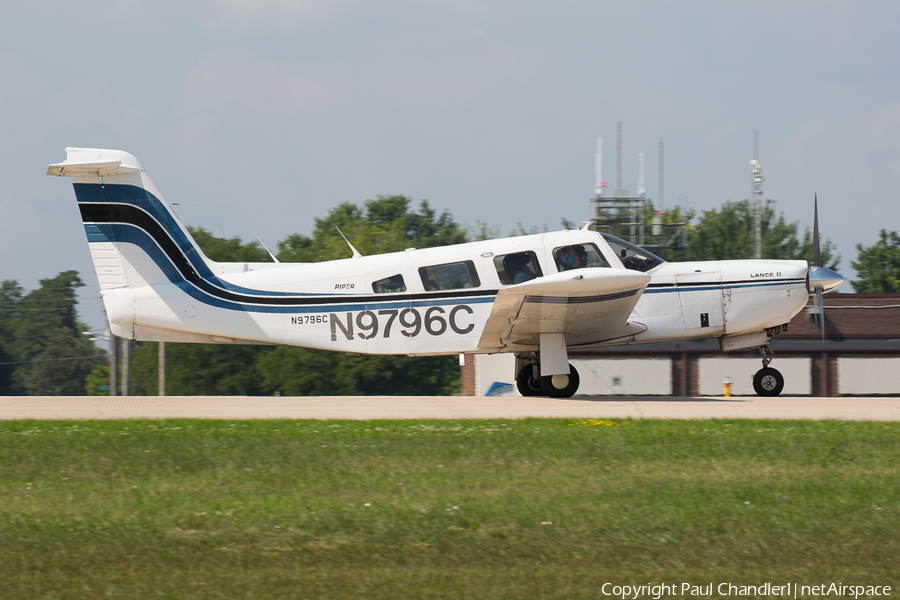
(768, 382)
(527, 384)
(561, 386)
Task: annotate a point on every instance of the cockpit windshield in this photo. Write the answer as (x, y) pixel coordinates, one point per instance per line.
(632, 257)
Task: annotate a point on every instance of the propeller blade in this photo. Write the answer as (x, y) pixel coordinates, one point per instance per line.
(816, 257)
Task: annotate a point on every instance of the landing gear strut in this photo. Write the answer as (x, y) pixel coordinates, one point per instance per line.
(767, 381)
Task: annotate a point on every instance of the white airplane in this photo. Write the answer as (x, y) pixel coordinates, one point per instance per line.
(537, 296)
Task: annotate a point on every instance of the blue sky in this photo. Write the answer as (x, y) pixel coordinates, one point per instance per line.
(256, 116)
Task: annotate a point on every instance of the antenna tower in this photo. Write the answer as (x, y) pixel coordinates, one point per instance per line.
(642, 189)
(598, 169)
(619, 157)
(660, 175)
(624, 215)
(757, 198)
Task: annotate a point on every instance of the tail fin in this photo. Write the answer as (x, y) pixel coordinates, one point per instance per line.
(134, 237)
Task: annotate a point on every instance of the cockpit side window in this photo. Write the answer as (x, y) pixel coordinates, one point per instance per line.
(578, 256)
(518, 267)
(451, 276)
(389, 285)
(632, 257)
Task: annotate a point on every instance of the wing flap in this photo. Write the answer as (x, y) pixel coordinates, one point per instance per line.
(588, 305)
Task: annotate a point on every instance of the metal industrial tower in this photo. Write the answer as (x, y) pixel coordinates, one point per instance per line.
(625, 216)
(757, 198)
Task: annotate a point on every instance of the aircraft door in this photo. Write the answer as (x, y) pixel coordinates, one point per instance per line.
(700, 293)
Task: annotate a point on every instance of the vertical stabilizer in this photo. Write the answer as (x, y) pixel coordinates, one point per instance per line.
(135, 239)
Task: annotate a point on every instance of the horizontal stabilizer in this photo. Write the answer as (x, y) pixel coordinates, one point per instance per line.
(82, 162)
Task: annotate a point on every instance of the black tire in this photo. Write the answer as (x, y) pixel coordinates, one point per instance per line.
(527, 384)
(768, 382)
(568, 382)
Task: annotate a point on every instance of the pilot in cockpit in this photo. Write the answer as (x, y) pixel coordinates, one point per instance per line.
(571, 257)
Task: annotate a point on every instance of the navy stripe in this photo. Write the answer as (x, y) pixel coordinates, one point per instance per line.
(658, 288)
(132, 223)
(201, 289)
(113, 196)
(736, 282)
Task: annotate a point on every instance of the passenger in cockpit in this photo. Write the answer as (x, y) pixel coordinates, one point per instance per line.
(516, 267)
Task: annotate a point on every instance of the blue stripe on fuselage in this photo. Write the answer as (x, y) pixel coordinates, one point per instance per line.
(303, 304)
(664, 288)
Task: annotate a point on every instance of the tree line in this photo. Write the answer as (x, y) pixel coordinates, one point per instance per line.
(43, 349)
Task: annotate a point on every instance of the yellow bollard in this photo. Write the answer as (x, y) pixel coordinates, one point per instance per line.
(727, 383)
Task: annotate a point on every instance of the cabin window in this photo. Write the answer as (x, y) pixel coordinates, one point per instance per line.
(578, 256)
(633, 257)
(517, 267)
(452, 276)
(389, 285)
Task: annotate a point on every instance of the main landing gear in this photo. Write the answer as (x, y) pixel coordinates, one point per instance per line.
(767, 381)
(531, 383)
(529, 380)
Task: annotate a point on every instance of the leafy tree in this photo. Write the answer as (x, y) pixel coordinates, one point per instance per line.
(228, 250)
(42, 337)
(97, 379)
(520, 229)
(198, 369)
(482, 231)
(302, 371)
(382, 225)
(878, 266)
(10, 309)
(728, 233)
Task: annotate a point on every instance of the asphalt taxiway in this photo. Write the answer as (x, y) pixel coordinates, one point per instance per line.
(445, 407)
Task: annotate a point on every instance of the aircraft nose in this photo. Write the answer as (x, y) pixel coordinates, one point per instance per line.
(822, 278)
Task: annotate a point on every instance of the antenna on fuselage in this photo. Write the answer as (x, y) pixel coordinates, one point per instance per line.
(267, 250)
(356, 253)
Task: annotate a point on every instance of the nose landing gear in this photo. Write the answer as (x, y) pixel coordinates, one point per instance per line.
(767, 381)
(561, 386)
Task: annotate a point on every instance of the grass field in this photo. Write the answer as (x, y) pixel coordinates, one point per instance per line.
(531, 508)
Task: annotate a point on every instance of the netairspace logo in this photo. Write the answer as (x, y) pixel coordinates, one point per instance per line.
(787, 590)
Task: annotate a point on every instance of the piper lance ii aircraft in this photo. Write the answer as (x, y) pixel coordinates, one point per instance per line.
(537, 296)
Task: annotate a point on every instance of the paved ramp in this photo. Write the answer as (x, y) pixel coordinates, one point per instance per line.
(443, 407)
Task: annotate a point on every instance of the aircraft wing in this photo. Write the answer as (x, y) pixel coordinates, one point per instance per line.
(588, 305)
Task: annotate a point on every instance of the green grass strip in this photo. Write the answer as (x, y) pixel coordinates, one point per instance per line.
(534, 508)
